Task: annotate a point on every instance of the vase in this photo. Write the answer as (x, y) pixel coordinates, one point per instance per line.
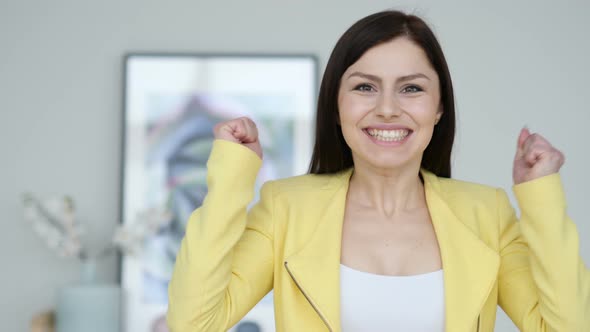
(89, 306)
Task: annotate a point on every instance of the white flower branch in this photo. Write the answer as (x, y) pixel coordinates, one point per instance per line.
(54, 220)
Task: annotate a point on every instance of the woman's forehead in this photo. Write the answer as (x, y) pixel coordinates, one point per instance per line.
(398, 57)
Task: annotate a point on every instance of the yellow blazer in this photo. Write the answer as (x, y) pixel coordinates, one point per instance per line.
(290, 241)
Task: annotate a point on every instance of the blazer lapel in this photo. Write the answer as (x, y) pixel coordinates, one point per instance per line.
(316, 267)
(470, 267)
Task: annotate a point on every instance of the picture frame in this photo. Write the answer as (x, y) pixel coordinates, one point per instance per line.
(171, 103)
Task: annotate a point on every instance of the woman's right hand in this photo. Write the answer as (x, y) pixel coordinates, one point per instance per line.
(242, 131)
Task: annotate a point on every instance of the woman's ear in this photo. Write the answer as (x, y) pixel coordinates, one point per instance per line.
(439, 115)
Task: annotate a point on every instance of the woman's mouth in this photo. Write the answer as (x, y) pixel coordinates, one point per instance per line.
(385, 136)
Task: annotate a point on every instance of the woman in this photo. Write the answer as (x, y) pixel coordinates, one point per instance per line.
(377, 237)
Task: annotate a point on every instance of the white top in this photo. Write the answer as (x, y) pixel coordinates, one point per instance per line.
(371, 302)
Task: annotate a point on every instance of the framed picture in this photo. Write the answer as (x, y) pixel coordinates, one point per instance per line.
(171, 103)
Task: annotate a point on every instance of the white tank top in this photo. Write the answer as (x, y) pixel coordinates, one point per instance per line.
(371, 302)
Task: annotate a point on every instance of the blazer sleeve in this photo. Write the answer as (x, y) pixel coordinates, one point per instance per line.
(225, 262)
(543, 283)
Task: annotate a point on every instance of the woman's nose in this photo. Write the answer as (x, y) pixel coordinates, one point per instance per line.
(388, 107)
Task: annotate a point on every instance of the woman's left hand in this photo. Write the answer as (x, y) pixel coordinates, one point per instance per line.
(535, 158)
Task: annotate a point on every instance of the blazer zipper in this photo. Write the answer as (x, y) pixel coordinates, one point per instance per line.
(308, 299)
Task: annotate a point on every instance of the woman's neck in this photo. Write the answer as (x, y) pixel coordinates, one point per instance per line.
(389, 192)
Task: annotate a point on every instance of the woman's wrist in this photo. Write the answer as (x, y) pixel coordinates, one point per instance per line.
(233, 164)
(540, 194)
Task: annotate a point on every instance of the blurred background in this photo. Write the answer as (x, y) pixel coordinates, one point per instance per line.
(61, 90)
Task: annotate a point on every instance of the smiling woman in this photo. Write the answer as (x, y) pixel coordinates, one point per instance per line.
(417, 68)
(378, 237)
(397, 106)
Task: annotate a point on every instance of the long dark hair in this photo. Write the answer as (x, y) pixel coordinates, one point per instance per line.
(331, 154)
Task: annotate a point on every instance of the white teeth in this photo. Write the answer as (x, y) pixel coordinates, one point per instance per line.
(388, 135)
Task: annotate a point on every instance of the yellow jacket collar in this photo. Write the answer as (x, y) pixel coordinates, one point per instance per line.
(470, 267)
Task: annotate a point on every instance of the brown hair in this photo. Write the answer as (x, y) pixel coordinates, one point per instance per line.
(331, 154)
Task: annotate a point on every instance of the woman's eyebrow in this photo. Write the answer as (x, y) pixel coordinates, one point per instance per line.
(411, 77)
(366, 76)
(378, 79)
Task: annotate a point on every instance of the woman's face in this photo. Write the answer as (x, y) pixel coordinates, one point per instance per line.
(389, 103)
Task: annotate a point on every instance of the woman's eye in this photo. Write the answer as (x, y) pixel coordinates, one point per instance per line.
(412, 89)
(364, 88)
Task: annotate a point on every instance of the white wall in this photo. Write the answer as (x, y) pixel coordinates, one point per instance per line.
(513, 63)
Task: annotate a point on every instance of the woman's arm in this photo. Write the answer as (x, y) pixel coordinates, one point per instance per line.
(225, 263)
(543, 283)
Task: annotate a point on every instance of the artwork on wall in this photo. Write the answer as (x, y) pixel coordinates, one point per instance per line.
(171, 103)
